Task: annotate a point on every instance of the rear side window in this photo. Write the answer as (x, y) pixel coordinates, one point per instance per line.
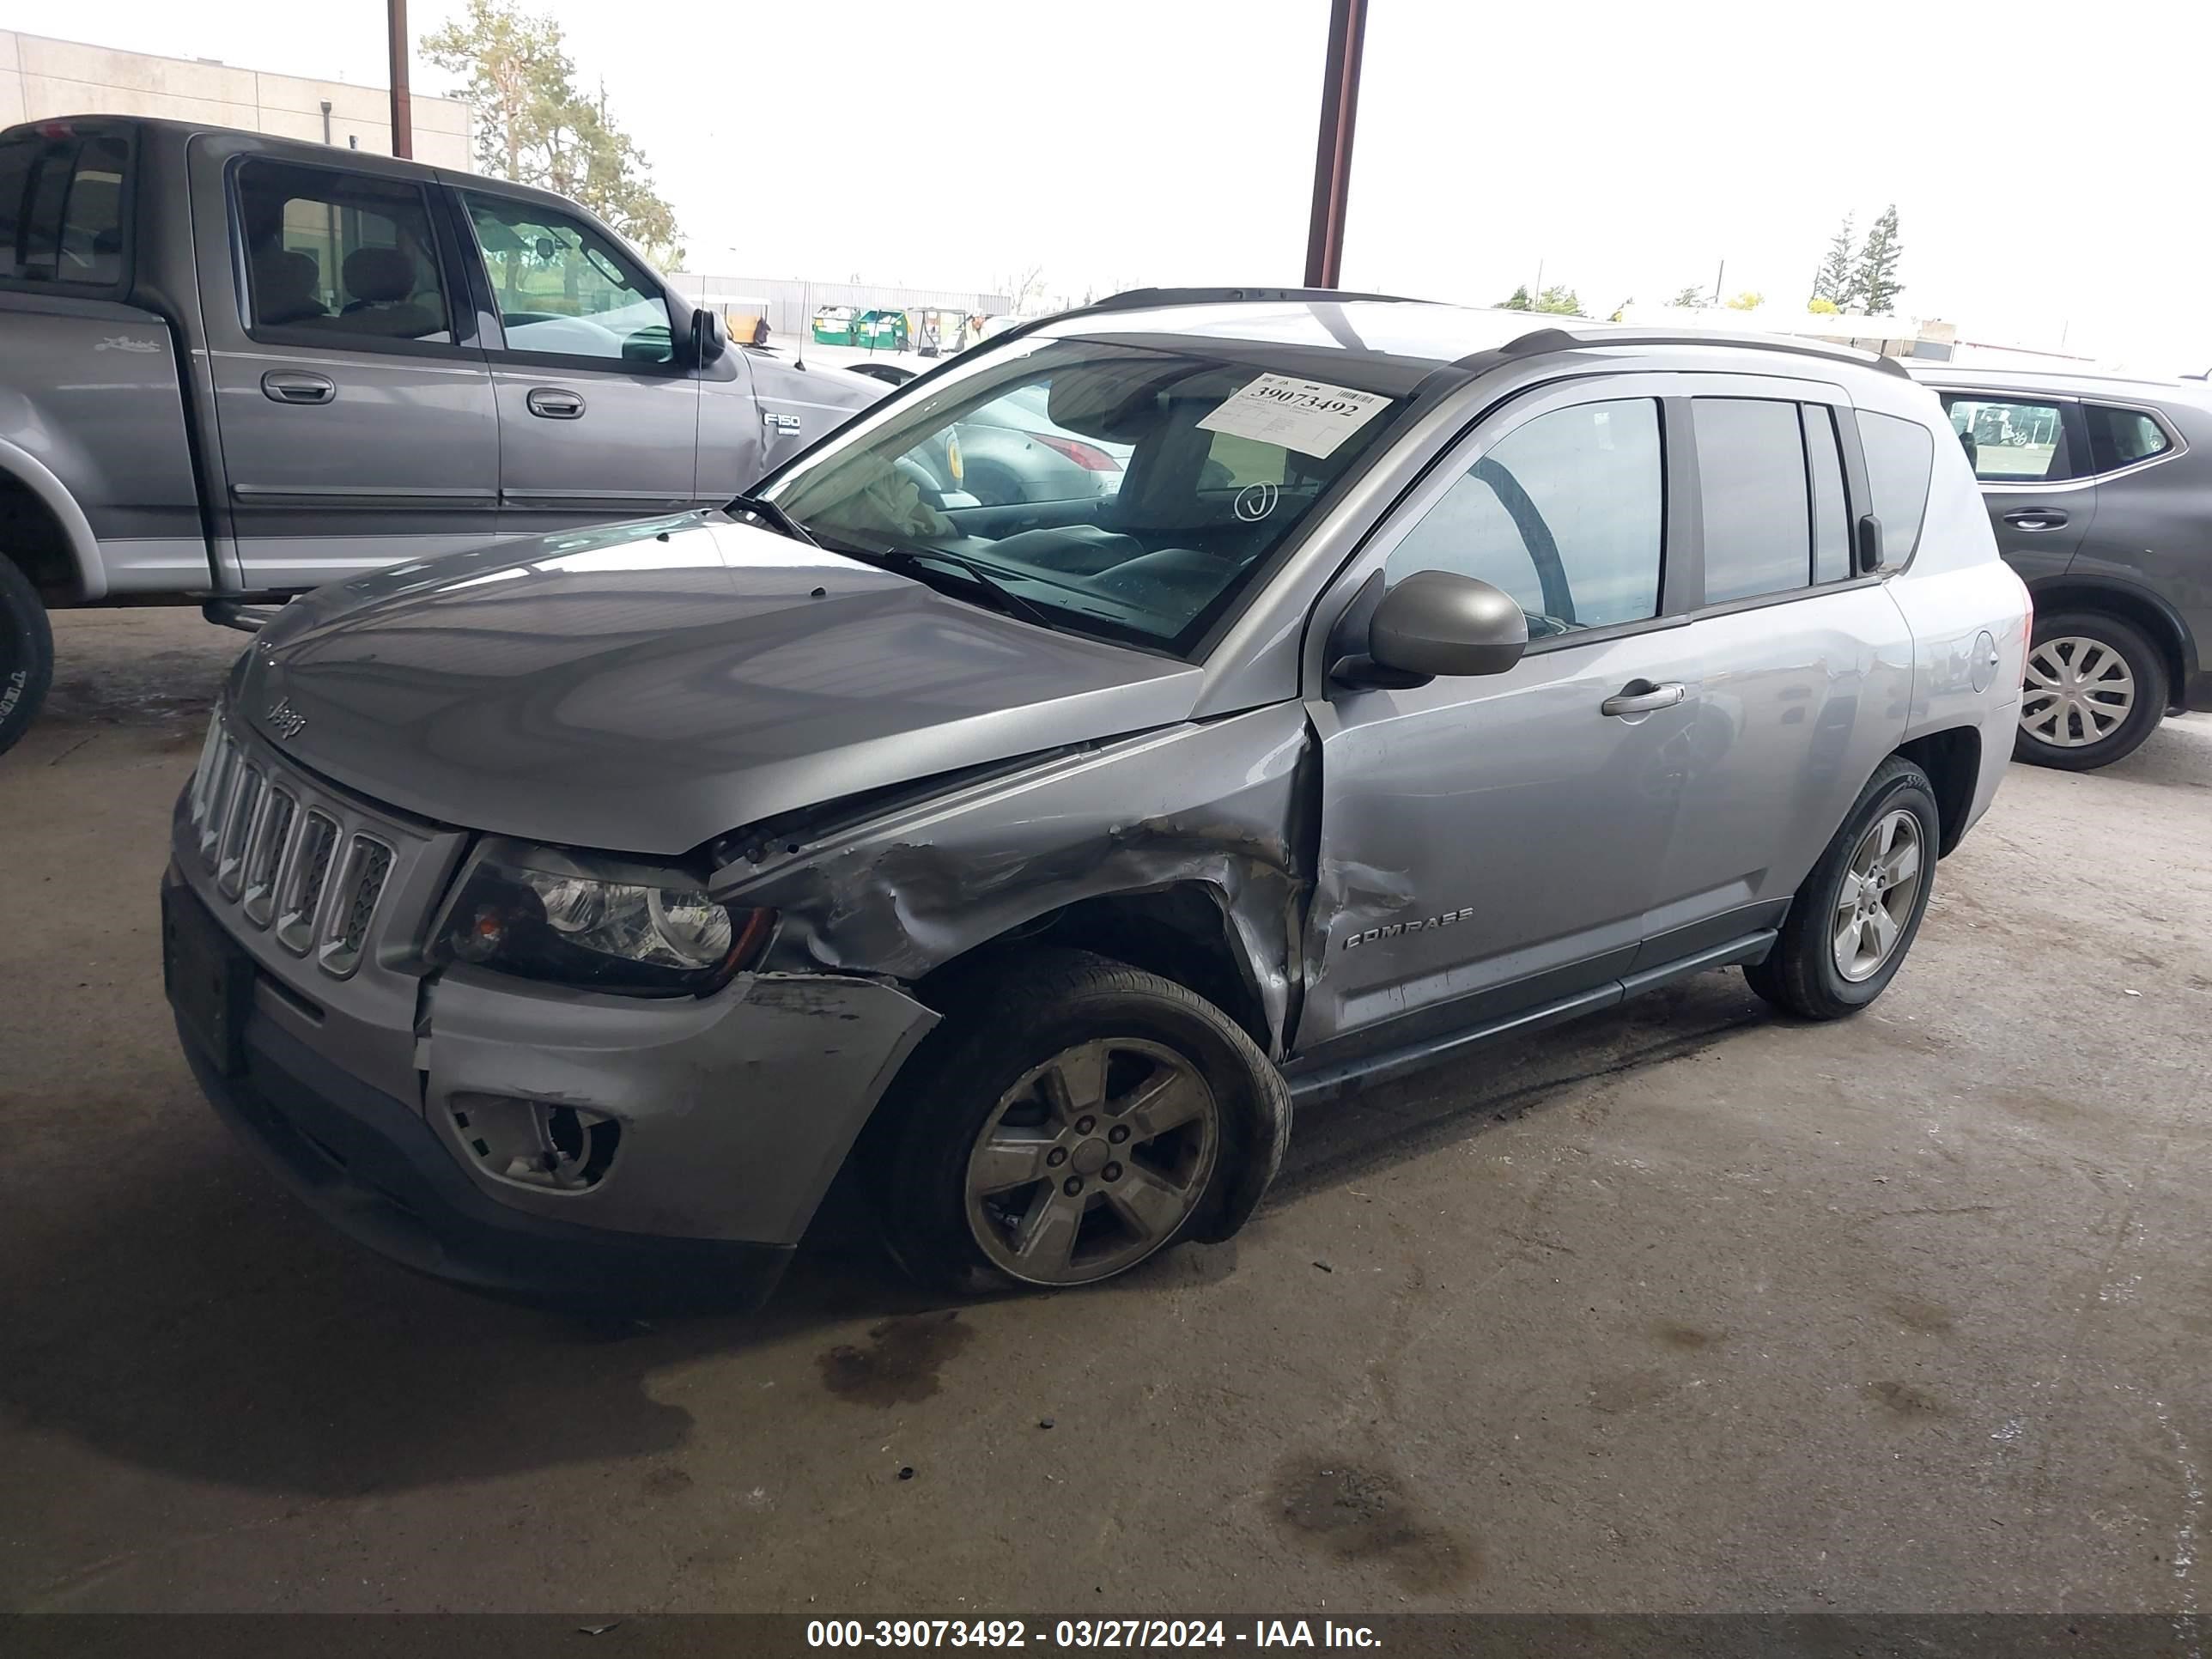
(2011, 440)
(61, 209)
(340, 255)
(1758, 508)
(1564, 513)
(2121, 437)
(1899, 456)
(1824, 467)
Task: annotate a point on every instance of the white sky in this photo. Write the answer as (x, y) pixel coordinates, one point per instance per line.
(2046, 160)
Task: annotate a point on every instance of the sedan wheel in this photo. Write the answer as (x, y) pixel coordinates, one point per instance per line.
(1092, 1161)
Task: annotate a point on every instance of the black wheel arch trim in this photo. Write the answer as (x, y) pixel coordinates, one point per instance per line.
(2049, 592)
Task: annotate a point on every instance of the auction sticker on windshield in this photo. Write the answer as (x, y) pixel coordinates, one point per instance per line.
(1310, 416)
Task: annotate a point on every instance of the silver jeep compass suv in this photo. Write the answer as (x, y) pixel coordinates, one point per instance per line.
(563, 917)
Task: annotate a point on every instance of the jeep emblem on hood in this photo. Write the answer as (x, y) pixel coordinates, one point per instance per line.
(283, 719)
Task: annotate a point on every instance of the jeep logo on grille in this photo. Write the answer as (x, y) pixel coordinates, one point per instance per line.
(283, 719)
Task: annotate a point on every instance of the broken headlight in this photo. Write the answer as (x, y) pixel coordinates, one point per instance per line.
(544, 913)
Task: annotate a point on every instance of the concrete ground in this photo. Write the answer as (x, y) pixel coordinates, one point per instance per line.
(1681, 1307)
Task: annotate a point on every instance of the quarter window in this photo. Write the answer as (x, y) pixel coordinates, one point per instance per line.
(340, 255)
(2010, 442)
(61, 209)
(1757, 513)
(2121, 437)
(1901, 455)
(563, 288)
(1564, 513)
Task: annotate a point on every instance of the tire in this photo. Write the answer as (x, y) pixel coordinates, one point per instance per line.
(2067, 638)
(26, 653)
(1803, 975)
(1032, 1029)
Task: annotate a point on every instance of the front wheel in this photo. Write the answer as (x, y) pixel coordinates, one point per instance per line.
(1072, 1117)
(1856, 916)
(26, 653)
(2095, 689)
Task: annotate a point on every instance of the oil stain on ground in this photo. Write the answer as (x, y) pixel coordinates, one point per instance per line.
(1905, 1401)
(899, 1364)
(1362, 1513)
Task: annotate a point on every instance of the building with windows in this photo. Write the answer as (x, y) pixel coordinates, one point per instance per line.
(40, 78)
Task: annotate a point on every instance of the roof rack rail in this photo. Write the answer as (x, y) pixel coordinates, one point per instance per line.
(1541, 340)
(1137, 299)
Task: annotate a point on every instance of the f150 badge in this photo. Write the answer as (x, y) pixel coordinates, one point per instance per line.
(1396, 928)
(283, 719)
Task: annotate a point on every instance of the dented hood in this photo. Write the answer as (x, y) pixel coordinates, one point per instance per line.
(645, 688)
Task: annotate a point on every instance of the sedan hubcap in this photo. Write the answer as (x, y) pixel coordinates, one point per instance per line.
(2077, 691)
(1092, 1161)
(1880, 885)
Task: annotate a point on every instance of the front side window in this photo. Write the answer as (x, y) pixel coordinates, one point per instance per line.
(2009, 441)
(1564, 513)
(1752, 481)
(2121, 437)
(564, 287)
(1198, 470)
(340, 255)
(61, 209)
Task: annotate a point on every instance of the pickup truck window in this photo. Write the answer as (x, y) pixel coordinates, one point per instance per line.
(340, 255)
(61, 208)
(563, 288)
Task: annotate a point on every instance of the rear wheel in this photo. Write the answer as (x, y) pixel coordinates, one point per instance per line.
(1856, 915)
(1072, 1117)
(26, 653)
(2095, 689)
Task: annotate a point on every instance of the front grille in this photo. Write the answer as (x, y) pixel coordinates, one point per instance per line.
(295, 863)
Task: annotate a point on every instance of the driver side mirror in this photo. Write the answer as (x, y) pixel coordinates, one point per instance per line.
(1437, 623)
(708, 342)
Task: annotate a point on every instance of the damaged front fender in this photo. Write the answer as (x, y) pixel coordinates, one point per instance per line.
(901, 893)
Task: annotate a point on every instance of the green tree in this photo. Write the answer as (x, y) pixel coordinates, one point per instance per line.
(1747, 300)
(1688, 300)
(533, 124)
(1875, 276)
(1559, 301)
(1836, 281)
(1517, 300)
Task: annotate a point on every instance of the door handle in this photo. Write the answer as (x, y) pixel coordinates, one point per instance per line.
(2035, 517)
(555, 403)
(1642, 696)
(290, 387)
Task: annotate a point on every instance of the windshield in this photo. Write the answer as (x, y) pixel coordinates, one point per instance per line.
(1126, 491)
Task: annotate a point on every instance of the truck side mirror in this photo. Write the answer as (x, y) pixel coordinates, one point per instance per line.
(708, 342)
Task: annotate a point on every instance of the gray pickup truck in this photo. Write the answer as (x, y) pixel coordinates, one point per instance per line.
(233, 368)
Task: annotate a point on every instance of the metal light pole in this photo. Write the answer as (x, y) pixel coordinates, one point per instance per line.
(1339, 105)
(403, 110)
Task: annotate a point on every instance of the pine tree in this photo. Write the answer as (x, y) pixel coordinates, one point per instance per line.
(1876, 274)
(1838, 281)
(1690, 298)
(1519, 300)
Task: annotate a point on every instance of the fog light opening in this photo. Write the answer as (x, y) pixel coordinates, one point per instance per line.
(543, 1143)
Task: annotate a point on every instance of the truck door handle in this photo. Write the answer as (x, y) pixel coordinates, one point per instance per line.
(2035, 517)
(1642, 696)
(555, 403)
(285, 385)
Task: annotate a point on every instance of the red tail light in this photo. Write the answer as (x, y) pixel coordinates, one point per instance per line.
(1089, 457)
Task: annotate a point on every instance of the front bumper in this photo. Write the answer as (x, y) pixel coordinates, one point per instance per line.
(369, 1165)
(734, 1111)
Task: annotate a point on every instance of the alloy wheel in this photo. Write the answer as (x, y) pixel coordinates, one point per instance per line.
(1880, 885)
(2078, 691)
(1092, 1161)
